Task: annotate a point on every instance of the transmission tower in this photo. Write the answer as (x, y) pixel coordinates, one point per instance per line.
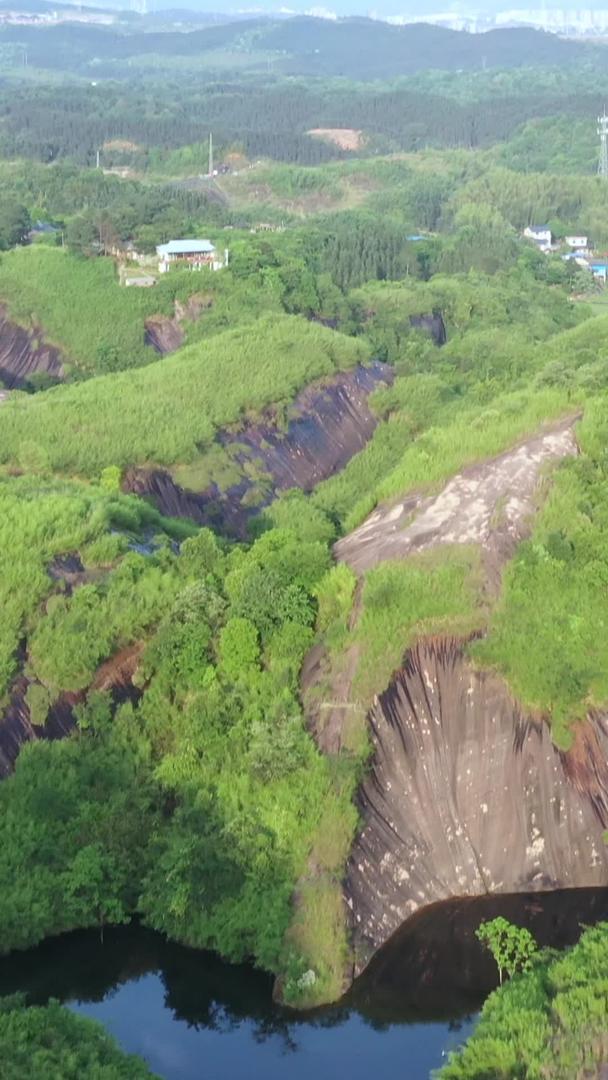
(602, 130)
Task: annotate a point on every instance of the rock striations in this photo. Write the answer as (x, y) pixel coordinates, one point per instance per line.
(23, 353)
(325, 426)
(466, 795)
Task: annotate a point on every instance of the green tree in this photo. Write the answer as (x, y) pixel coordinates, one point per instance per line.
(239, 647)
(511, 946)
(15, 223)
(53, 1042)
(90, 886)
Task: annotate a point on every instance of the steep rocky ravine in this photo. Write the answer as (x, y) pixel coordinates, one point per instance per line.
(24, 353)
(167, 333)
(467, 795)
(326, 425)
(16, 727)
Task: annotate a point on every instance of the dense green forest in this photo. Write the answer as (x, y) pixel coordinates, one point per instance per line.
(51, 1041)
(355, 48)
(200, 798)
(550, 1021)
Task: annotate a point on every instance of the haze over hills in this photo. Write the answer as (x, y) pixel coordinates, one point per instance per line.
(475, 16)
(355, 48)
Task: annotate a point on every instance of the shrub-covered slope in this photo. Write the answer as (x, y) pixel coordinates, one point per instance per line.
(166, 412)
(548, 1022)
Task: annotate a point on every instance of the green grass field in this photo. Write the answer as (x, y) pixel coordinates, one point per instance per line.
(167, 412)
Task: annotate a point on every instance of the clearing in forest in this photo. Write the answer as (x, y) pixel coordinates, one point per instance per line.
(345, 138)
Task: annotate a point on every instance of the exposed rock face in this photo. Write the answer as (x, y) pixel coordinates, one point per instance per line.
(175, 501)
(327, 425)
(466, 796)
(166, 334)
(489, 504)
(16, 727)
(434, 960)
(433, 324)
(23, 353)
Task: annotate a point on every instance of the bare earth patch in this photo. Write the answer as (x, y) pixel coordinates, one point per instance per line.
(488, 504)
(345, 138)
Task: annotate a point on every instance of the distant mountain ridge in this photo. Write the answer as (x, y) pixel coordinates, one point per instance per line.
(356, 48)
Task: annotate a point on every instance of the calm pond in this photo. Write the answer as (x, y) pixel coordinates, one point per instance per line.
(193, 1017)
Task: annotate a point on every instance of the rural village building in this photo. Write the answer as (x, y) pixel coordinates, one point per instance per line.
(580, 243)
(194, 254)
(541, 234)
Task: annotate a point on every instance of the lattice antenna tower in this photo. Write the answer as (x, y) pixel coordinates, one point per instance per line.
(602, 130)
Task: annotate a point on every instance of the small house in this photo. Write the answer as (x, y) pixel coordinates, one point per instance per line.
(193, 254)
(139, 281)
(599, 269)
(577, 243)
(541, 235)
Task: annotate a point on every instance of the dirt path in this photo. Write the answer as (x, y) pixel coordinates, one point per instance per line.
(488, 504)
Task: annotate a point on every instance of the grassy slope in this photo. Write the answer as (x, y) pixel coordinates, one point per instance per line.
(164, 412)
(79, 303)
(83, 310)
(52, 518)
(549, 633)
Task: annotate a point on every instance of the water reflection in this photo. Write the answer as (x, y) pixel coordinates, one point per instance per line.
(173, 1004)
(434, 967)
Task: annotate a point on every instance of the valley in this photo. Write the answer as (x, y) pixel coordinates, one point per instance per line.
(303, 557)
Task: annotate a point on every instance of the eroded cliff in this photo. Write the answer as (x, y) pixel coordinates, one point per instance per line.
(325, 426)
(467, 795)
(16, 727)
(167, 333)
(23, 353)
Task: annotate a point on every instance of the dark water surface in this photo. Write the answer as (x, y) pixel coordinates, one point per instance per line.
(194, 1017)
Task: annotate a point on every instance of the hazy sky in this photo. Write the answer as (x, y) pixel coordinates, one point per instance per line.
(383, 8)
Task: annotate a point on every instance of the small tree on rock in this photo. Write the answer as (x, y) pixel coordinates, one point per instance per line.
(511, 946)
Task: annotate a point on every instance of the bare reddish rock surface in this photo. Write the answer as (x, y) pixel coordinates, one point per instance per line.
(23, 353)
(467, 795)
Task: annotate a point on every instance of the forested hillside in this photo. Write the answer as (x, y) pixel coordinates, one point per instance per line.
(333, 508)
(355, 48)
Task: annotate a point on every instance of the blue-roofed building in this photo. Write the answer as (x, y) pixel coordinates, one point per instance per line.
(599, 269)
(194, 254)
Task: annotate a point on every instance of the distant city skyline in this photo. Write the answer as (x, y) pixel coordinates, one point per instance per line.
(471, 15)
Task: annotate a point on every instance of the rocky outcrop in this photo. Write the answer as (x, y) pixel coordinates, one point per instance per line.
(326, 425)
(467, 796)
(166, 334)
(490, 504)
(23, 353)
(16, 727)
(209, 507)
(432, 324)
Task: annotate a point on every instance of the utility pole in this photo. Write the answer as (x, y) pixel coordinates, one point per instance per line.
(210, 154)
(602, 130)
(97, 158)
